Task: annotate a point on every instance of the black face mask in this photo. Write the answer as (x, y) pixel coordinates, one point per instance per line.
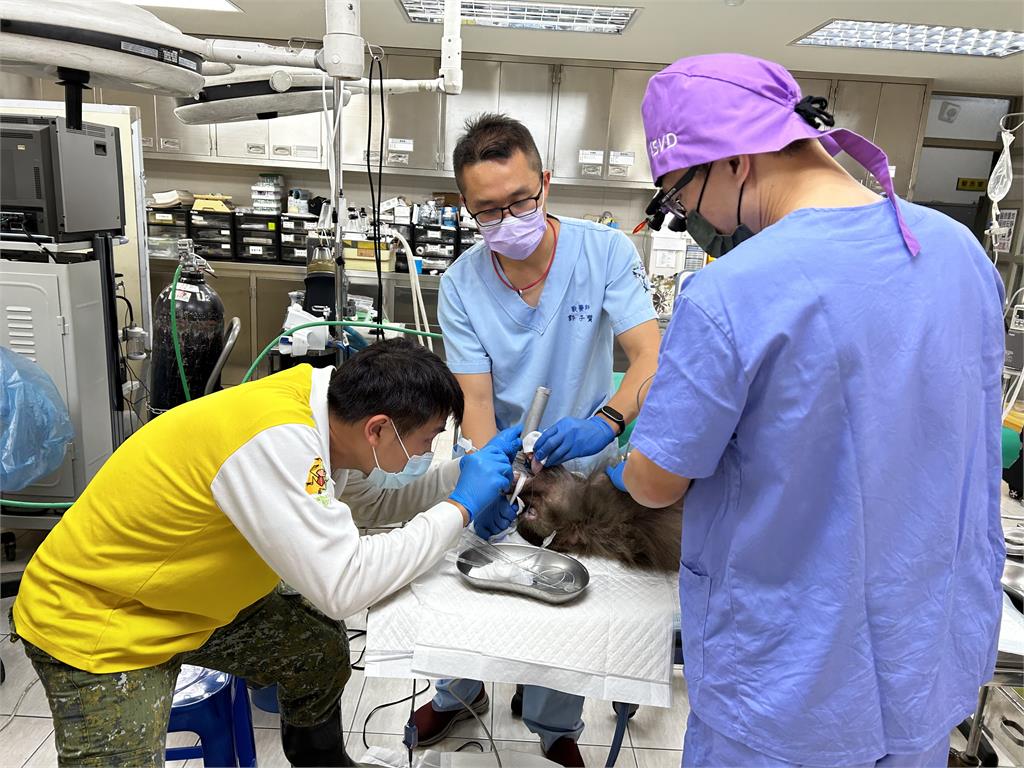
(703, 232)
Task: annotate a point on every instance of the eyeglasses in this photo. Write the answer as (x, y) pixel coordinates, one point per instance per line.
(492, 217)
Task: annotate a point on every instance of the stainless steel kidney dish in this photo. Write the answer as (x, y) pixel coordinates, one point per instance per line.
(524, 570)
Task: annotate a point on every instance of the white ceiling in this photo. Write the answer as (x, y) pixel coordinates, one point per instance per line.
(664, 30)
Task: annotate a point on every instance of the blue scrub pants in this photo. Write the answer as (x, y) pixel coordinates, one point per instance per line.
(704, 747)
(547, 713)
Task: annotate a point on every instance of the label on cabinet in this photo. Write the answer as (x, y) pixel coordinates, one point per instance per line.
(163, 216)
(306, 151)
(170, 145)
(255, 250)
(147, 142)
(285, 238)
(398, 158)
(591, 156)
(621, 158)
(401, 145)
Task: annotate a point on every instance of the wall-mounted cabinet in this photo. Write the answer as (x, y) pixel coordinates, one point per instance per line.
(520, 90)
(581, 122)
(412, 121)
(627, 143)
(146, 105)
(599, 133)
(585, 120)
(413, 129)
(890, 115)
(174, 137)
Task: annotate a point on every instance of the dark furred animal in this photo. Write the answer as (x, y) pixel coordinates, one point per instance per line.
(593, 517)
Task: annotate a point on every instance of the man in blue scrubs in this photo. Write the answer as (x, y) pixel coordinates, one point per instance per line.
(830, 387)
(539, 303)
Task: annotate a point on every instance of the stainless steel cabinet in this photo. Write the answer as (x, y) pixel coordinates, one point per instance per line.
(174, 137)
(145, 103)
(353, 127)
(413, 127)
(627, 144)
(901, 110)
(246, 138)
(581, 124)
(525, 94)
(856, 108)
(297, 137)
(815, 87)
(890, 115)
(480, 93)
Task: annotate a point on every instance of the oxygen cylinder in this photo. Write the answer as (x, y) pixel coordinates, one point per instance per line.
(200, 321)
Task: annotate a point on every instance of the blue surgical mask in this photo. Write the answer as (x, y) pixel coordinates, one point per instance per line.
(415, 467)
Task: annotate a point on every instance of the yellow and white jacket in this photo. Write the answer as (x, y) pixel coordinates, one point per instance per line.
(202, 511)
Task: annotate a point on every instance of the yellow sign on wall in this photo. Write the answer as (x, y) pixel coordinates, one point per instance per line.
(970, 185)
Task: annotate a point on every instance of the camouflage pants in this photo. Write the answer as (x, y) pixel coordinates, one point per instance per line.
(120, 718)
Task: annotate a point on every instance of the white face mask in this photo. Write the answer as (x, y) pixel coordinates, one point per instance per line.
(415, 467)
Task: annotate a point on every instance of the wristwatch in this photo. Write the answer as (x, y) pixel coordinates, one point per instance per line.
(614, 416)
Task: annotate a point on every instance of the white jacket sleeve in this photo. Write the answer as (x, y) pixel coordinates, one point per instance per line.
(276, 491)
(373, 506)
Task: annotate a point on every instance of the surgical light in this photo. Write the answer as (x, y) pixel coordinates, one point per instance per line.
(920, 38)
(224, 6)
(510, 14)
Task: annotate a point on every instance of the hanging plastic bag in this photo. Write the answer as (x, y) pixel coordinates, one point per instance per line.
(34, 424)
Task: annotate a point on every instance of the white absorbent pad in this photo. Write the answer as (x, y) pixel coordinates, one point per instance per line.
(614, 642)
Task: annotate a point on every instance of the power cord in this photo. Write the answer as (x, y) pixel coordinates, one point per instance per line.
(487, 731)
(37, 243)
(379, 707)
(17, 705)
(376, 193)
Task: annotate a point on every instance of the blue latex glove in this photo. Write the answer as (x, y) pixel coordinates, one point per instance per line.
(572, 438)
(495, 518)
(485, 476)
(615, 475)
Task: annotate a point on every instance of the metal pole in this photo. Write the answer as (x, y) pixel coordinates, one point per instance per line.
(337, 197)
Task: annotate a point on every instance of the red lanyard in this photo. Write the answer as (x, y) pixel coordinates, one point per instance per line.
(520, 291)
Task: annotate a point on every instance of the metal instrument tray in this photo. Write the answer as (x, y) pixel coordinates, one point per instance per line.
(538, 560)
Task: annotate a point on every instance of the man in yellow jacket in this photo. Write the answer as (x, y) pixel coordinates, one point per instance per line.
(173, 552)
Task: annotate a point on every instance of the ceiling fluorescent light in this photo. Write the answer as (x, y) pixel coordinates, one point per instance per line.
(518, 14)
(921, 38)
(189, 5)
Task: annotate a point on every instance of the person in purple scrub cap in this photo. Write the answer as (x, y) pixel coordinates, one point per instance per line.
(828, 400)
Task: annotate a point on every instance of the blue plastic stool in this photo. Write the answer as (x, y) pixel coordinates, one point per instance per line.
(215, 706)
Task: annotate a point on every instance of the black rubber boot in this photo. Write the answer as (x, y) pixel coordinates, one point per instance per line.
(316, 746)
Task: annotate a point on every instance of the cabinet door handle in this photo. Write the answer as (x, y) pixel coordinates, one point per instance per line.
(256, 149)
(282, 150)
(170, 145)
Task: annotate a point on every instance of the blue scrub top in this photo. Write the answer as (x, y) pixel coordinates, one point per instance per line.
(597, 289)
(839, 401)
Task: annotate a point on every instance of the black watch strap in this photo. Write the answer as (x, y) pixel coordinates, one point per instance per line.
(610, 413)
